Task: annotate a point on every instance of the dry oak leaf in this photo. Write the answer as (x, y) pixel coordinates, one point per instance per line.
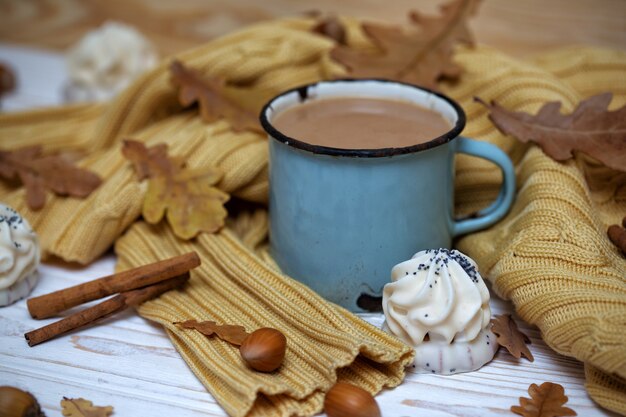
(80, 407)
(591, 129)
(415, 56)
(509, 336)
(546, 401)
(38, 172)
(186, 197)
(209, 94)
(331, 27)
(230, 333)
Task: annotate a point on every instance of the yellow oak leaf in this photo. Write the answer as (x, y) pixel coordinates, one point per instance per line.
(186, 197)
(79, 407)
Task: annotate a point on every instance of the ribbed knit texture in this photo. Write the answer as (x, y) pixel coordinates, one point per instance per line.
(234, 286)
(549, 255)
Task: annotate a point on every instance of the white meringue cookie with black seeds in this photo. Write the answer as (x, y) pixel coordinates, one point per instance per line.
(19, 256)
(438, 303)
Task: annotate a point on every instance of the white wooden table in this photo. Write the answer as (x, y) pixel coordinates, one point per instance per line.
(129, 363)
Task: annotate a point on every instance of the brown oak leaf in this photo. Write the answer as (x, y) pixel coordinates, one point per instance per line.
(509, 336)
(208, 92)
(331, 27)
(38, 172)
(230, 333)
(79, 407)
(186, 197)
(590, 128)
(415, 56)
(546, 401)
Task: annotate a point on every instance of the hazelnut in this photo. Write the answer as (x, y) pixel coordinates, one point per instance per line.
(17, 403)
(264, 349)
(347, 400)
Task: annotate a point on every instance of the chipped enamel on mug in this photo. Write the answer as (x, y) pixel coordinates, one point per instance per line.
(340, 219)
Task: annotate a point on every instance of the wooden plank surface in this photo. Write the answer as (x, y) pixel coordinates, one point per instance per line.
(516, 27)
(129, 363)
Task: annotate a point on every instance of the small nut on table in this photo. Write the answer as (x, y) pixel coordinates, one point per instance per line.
(17, 403)
(346, 400)
(7, 79)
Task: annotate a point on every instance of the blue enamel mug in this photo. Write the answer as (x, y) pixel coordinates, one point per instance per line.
(340, 219)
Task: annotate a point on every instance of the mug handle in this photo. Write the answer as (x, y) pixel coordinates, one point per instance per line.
(501, 206)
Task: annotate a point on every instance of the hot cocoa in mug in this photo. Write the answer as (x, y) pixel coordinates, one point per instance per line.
(361, 178)
(361, 123)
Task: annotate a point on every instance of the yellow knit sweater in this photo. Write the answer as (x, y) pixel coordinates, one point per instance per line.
(549, 255)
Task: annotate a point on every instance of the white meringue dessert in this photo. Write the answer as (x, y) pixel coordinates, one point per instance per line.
(438, 303)
(19, 256)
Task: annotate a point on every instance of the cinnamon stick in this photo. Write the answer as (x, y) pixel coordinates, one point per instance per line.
(104, 309)
(50, 304)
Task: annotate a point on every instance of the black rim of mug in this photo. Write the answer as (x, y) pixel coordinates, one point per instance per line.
(302, 91)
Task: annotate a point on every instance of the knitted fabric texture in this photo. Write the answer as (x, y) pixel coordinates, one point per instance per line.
(549, 255)
(326, 343)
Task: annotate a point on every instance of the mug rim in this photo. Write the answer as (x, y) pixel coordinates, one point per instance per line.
(302, 91)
